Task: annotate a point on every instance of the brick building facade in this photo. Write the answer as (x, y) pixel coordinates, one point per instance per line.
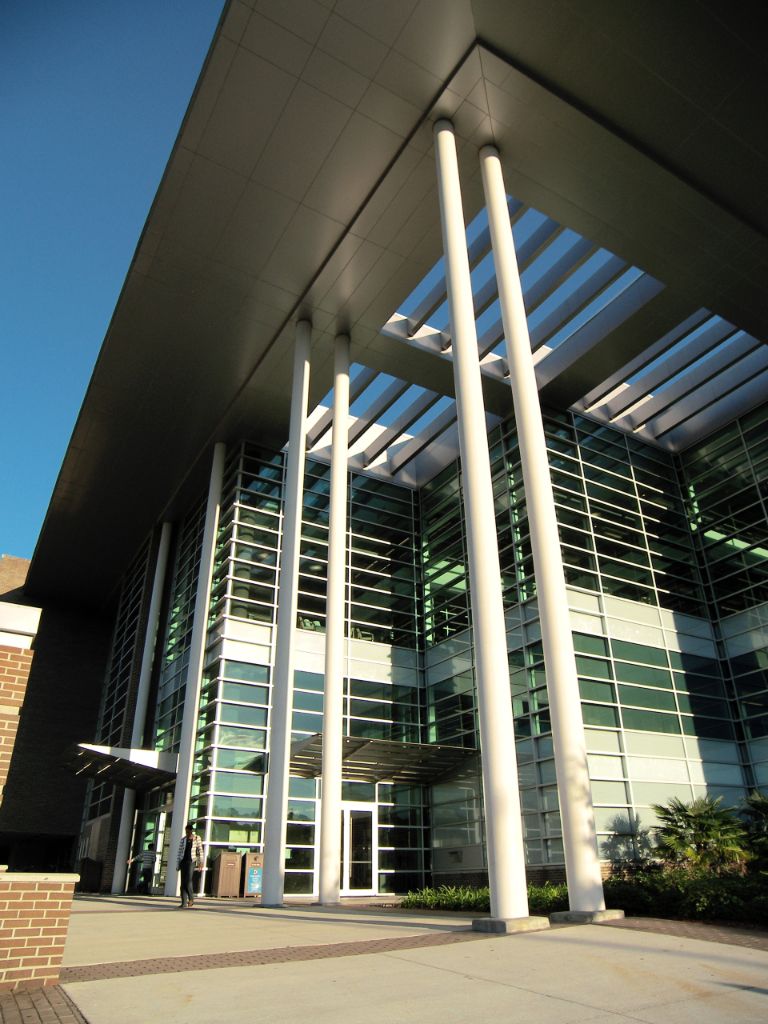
(41, 717)
(18, 626)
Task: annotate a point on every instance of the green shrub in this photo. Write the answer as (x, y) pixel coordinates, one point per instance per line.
(542, 899)
(647, 891)
(547, 898)
(690, 895)
(449, 897)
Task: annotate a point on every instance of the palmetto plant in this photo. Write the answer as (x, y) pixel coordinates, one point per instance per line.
(755, 810)
(701, 834)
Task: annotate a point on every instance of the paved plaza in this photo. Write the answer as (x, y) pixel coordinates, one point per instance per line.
(135, 960)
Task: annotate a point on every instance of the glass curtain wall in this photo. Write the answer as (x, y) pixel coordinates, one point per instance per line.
(726, 481)
(171, 677)
(653, 696)
(228, 774)
(383, 604)
(114, 726)
(651, 564)
(177, 635)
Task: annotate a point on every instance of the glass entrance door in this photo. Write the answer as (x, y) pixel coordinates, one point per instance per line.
(359, 852)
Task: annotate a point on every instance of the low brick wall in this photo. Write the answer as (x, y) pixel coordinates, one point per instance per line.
(34, 917)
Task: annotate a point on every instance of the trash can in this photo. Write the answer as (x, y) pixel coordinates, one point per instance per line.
(253, 867)
(90, 875)
(226, 874)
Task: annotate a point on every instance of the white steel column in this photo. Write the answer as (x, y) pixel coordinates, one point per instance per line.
(197, 645)
(585, 887)
(119, 876)
(287, 607)
(333, 704)
(506, 859)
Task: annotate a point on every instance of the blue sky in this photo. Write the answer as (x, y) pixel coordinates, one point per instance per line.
(92, 94)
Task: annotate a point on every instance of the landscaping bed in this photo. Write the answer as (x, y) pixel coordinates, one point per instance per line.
(642, 892)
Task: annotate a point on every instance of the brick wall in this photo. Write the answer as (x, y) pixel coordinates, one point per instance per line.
(534, 875)
(34, 917)
(13, 573)
(14, 674)
(51, 675)
(42, 803)
(540, 874)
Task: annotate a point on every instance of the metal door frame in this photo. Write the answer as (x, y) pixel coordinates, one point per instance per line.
(373, 810)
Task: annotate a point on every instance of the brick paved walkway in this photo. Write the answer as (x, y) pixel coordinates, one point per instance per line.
(40, 1006)
(257, 957)
(731, 935)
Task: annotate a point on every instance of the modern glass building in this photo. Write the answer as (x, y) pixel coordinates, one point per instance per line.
(423, 467)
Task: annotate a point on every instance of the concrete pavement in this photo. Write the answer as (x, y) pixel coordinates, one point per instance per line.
(136, 961)
(133, 928)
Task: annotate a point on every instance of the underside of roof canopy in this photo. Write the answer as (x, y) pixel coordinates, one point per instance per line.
(366, 759)
(302, 184)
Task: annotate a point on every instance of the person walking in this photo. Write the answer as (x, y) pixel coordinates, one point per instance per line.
(146, 860)
(190, 859)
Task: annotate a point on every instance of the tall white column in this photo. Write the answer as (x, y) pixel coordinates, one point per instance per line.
(506, 859)
(197, 645)
(585, 887)
(140, 711)
(287, 606)
(333, 702)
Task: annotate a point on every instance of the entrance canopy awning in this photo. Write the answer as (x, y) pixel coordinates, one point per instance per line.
(123, 766)
(375, 760)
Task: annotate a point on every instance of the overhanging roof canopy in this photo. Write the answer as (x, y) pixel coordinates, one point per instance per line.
(120, 766)
(375, 760)
(302, 184)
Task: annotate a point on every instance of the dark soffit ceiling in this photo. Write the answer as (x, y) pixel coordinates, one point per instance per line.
(302, 184)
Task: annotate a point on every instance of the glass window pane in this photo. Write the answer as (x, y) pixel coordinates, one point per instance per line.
(590, 690)
(650, 721)
(236, 807)
(643, 674)
(249, 673)
(242, 691)
(240, 714)
(598, 714)
(229, 736)
(645, 697)
(301, 810)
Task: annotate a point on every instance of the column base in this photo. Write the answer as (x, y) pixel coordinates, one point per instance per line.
(509, 925)
(585, 916)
